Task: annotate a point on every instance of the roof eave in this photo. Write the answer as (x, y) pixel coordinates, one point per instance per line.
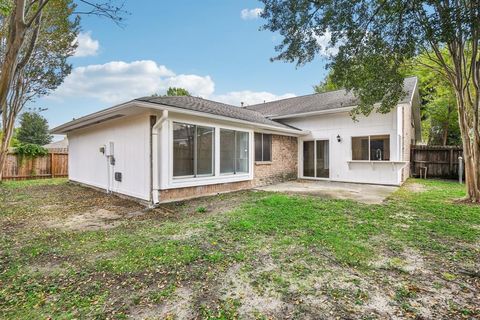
(71, 125)
(312, 113)
(91, 119)
(295, 132)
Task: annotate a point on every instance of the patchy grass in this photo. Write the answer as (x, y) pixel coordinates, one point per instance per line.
(240, 255)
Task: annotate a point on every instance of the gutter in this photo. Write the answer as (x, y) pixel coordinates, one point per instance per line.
(154, 177)
(313, 113)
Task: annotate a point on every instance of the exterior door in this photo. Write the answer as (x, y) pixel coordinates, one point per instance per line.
(322, 154)
(316, 156)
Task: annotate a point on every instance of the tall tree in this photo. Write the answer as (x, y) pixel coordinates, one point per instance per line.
(173, 91)
(376, 37)
(439, 111)
(22, 27)
(33, 129)
(326, 85)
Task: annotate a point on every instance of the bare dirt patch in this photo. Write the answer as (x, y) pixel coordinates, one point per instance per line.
(178, 307)
(237, 286)
(92, 220)
(415, 187)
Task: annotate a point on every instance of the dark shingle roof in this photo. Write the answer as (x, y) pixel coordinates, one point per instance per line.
(319, 102)
(213, 107)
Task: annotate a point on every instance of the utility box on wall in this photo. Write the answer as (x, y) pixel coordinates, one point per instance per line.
(118, 176)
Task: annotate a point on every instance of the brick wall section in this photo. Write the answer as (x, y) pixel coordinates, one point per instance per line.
(283, 167)
(284, 162)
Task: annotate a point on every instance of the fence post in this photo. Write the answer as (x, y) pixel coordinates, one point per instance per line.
(52, 164)
(450, 169)
(460, 169)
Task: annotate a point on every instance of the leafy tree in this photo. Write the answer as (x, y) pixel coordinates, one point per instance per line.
(173, 91)
(32, 44)
(326, 85)
(33, 129)
(376, 38)
(439, 112)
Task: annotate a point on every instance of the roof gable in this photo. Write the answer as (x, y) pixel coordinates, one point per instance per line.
(215, 108)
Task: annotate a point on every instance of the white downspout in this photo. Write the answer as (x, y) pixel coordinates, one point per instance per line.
(155, 161)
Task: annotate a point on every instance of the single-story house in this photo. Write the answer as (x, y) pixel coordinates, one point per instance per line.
(161, 149)
(57, 146)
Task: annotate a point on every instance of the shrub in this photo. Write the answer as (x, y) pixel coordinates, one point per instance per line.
(30, 150)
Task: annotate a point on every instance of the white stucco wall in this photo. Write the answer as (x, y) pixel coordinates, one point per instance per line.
(328, 126)
(131, 138)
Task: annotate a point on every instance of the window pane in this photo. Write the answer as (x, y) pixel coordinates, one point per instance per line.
(360, 148)
(308, 159)
(183, 135)
(258, 147)
(322, 159)
(242, 152)
(227, 151)
(205, 138)
(267, 147)
(380, 148)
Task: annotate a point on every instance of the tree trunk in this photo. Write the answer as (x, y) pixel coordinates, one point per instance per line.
(445, 134)
(471, 153)
(7, 136)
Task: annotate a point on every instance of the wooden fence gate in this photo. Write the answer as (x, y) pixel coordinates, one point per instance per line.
(440, 161)
(54, 164)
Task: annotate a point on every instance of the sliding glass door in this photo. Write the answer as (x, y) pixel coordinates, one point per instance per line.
(316, 156)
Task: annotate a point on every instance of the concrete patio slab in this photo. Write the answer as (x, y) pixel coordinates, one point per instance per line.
(365, 193)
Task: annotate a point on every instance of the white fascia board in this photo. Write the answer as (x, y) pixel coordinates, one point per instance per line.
(313, 113)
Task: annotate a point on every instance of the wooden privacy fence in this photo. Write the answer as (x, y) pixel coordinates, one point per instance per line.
(54, 164)
(440, 161)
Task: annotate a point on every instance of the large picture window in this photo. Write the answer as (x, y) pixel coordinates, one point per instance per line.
(371, 148)
(234, 151)
(193, 150)
(263, 147)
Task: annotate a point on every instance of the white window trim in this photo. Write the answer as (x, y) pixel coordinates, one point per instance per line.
(195, 151)
(217, 177)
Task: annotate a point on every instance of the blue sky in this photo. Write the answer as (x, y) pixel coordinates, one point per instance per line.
(208, 46)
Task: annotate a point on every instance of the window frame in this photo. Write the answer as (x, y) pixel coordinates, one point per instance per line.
(369, 136)
(315, 159)
(195, 151)
(235, 157)
(263, 147)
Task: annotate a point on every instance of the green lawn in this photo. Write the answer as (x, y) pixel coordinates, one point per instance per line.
(68, 252)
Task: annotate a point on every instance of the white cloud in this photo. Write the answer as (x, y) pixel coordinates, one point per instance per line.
(196, 85)
(86, 45)
(324, 43)
(249, 97)
(251, 14)
(119, 81)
